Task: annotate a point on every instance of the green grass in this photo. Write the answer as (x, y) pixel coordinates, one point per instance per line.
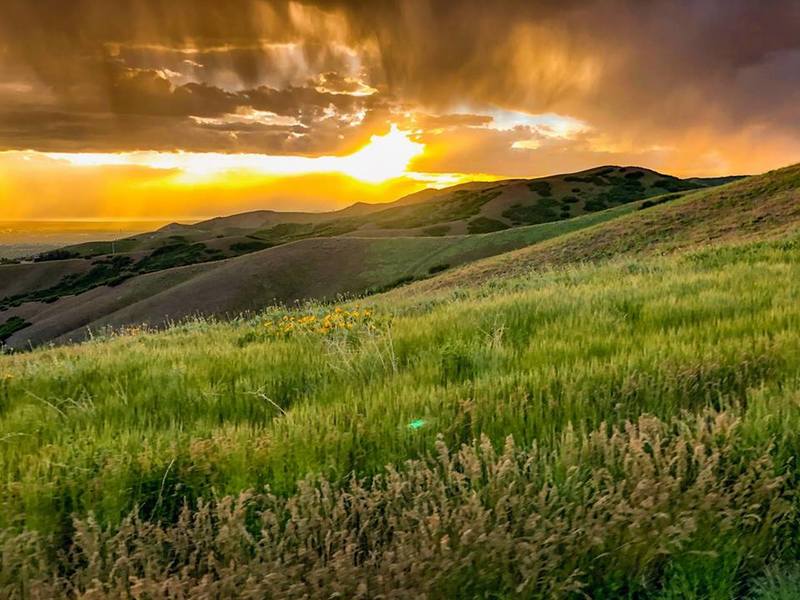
(148, 422)
(396, 261)
(780, 583)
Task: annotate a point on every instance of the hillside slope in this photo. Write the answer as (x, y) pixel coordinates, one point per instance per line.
(244, 262)
(462, 208)
(321, 268)
(623, 428)
(759, 207)
(475, 207)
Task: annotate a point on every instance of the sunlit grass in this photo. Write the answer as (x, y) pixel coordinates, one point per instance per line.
(149, 421)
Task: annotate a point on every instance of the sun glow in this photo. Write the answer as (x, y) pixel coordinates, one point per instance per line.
(384, 158)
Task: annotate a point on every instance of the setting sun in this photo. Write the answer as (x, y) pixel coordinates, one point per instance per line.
(385, 157)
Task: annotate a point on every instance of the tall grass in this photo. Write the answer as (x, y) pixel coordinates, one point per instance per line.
(593, 370)
(636, 509)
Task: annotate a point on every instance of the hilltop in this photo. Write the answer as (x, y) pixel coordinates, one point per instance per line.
(761, 207)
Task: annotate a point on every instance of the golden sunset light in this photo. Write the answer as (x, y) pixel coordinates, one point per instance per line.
(155, 98)
(384, 157)
(148, 183)
(360, 299)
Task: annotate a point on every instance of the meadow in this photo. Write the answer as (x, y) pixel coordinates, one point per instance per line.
(623, 429)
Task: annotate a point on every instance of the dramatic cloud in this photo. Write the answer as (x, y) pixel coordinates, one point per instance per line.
(509, 88)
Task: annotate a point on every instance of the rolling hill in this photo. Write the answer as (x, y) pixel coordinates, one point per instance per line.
(467, 208)
(241, 263)
(609, 411)
(758, 207)
(284, 274)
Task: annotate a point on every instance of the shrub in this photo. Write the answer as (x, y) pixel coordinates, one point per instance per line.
(673, 184)
(659, 200)
(485, 225)
(542, 211)
(634, 175)
(543, 188)
(56, 255)
(437, 230)
(594, 204)
(253, 246)
(438, 269)
(12, 326)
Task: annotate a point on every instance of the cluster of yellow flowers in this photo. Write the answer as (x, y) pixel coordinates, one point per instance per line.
(337, 320)
(131, 331)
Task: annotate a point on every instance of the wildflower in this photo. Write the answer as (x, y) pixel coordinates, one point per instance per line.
(336, 320)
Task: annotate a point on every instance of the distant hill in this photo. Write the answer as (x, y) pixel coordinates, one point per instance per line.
(760, 207)
(320, 268)
(227, 265)
(475, 207)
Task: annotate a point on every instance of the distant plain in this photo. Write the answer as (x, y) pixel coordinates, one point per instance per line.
(25, 238)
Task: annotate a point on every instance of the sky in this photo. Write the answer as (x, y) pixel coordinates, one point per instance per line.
(139, 109)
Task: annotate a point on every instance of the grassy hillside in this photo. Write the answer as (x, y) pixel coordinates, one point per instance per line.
(654, 400)
(302, 269)
(620, 428)
(754, 208)
(464, 209)
(243, 262)
(284, 274)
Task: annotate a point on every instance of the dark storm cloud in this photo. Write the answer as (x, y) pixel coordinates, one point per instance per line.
(108, 74)
(605, 60)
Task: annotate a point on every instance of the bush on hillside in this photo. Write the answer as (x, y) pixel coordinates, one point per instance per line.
(543, 188)
(12, 326)
(485, 225)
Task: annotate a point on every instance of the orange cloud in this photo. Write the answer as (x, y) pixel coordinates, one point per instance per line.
(174, 105)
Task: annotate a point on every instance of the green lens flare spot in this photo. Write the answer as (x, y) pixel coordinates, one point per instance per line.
(416, 424)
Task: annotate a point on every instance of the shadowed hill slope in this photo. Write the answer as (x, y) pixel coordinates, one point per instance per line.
(320, 268)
